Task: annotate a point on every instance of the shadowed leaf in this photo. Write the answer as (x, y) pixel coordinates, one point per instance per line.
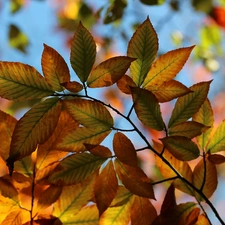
(125, 83)
(99, 150)
(169, 200)
(73, 86)
(216, 158)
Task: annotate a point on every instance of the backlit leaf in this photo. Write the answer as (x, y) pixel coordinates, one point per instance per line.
(186, 106)
(13, 218)
(124, 149)
(216, 158)
(83, 52)
(205, 117)
(109, 72)
(89, 113)
(125, 83)
(75, 168)
(105, 187)
(193, 216)
(8, 190)
(73, 86)
(24, 166)
(43, 174)
(181, 147)
(135, 180)
(169, 200)
(202, 220)
(99, 150)
(169, 90)
(21, 82)
(147, 108)
(217, 142)
(54, 68)
(189, 129)
(144, 47)
(166, 67)
(35, 127)
(142, 211)
(205, 177)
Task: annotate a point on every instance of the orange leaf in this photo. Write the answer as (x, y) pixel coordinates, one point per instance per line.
(99, 150)
(124, 149)
(13, 218)
(54, 68)
(135, 180)
(73, 86)
(202, 220)
(193, 216)
(125, 83)
(105, 187)
(45, 172)
(109, 72)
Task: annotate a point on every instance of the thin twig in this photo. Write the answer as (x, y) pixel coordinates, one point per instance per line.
(165, 180)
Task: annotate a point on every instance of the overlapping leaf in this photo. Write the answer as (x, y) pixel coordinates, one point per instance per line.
(169, 200)
(125, 83)
(166, 67)
(186, 106)
(83, 52)
(109, 72)
(89, 113)
(21, 82)
(54, 68)
(24, 166)
(13, 218)
(75, 168)
(73, 86)
(99, 150)
(144, 47)
(147, 108)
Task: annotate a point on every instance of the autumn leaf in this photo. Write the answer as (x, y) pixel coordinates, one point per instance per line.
(169, 200)
(125, 83)
(216, 158)
(54, 68)
(13, 218)
(72, 86)
(202, 220)
(144, 47)
(99, 150)
(21, 82)
(147, 108)
(83, 52)
(24, 166)
(186, 106)
(109, 72)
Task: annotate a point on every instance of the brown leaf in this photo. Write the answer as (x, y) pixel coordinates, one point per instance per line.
(98, 150)
(125, 83)
(169, 200)
(216, 158)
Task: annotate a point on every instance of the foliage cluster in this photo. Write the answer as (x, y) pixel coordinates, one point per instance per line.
(59, 172)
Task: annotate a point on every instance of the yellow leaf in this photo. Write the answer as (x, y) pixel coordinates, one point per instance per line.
(202, 220)
(123, 195)
(13, 218)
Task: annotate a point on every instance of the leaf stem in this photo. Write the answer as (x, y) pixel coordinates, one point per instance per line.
(204, 175)
(123, 130)
(32, 195)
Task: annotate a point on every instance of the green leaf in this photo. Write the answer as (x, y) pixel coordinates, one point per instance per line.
(152, 2)
(21, 82)
(147, 108)
(181, 147)
(75, 168)
(144, 47)
(89, 113)
(83, 52)
(109, 72)
(217, 142)
(24, 166)
(186, 106)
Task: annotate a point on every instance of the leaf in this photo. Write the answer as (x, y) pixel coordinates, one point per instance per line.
(24, 166)
(193, 216)
(147, 108)
(134, 179)
(202, 220)
(73, 86)
(89, 113)
(83, 52)
(186, 106)
(8, 190)
(169, 200)
(43, 174)
(205, 117)
(54, 68)
(99, 150)
(166, 67)
(35, 127)
(169, 90)
(217, 142)
(75, 168)
(189, 129)
(13, 218)
(49, 196)
(21, 82)
(205, 178)
(125, 83)
(7, 125)
(124, 149)
(216, 158)
(109, 72)
(144, 47)
(152, 2)
(181, 147)
(142, 211)
(105, 187)
(74, 140)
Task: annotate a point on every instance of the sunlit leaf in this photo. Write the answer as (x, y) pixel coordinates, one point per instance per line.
(75, 168)
(54, 68)
(202, 220)
(89, 113)
(189, 129)
(105, 187)
(205, 117)
(144, 47)
(83, 52)
(147, 108)
(99, 150)
(217, 142)
(109, 72)
(216, 158)
(135, 180)
(169, 90)
(35, 127)
(124, 149)
(193, 216)
(125, 83)
(13, 218)
(169, 200)
(186, 106)
(24, 166)
(181, 147)
(74, 140)
(43, 174)
(166, 67)
(142, 211)
(205, 178)
(73, 86)
(22, 82)
(152, 2)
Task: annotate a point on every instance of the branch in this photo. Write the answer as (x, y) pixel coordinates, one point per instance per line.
(165, 180)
